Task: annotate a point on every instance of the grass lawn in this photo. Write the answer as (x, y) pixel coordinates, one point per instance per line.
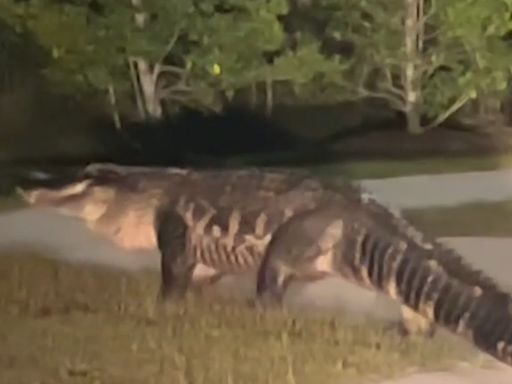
(66, 323)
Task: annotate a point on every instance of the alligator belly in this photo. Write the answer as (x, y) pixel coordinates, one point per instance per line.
(221, 257)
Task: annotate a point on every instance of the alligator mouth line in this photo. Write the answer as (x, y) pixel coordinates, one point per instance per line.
(36, 196)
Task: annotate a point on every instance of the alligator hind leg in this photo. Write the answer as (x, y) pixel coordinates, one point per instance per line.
(412, 323)
(176, 265)
(302, 249)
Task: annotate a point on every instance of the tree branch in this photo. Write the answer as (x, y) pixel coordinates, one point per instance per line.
(420, 27)
(449, 111)
(431, 12)
(389, 84)
(172, 70)
(172, 90)
(171, 43)
(392, 99)
(132, 64)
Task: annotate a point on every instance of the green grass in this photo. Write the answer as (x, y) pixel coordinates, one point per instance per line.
(81, 324)
(472, 219)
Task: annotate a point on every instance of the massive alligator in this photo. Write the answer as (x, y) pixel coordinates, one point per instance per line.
(118, 206)
(289, 225)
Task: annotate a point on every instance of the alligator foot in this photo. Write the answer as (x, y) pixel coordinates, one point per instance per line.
(413, 324)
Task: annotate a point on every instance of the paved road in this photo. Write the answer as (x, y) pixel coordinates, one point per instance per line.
(439, 190)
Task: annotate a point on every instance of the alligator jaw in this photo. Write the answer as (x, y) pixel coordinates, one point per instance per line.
(51, 196)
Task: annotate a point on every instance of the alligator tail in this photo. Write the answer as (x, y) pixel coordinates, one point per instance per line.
(416, 276)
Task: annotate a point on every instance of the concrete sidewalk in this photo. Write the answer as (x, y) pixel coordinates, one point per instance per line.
(501, 374)
(442, 190)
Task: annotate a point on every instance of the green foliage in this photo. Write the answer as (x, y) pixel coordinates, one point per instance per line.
(463, 51)
(229, 46)
(223, 46)
(470, 56)
(90, 48)
(249, 45)
(20, 58)
(63, 29)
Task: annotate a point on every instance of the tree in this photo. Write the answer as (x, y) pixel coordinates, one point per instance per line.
(91, 42)
(426, 58)
(473, 54)
(245, 43)
(225, 46)
(182, 51)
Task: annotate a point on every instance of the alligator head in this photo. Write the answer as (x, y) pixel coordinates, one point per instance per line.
(81, 199)
(118, 206)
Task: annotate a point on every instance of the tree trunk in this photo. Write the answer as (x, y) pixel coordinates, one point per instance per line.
(136, 88)
(145, 88)
(253, 96)
(144, 77)
(269, 95)
(413, 121)
(113, 103)
(410, 75)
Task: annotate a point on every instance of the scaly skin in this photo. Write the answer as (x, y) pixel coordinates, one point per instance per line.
(227, 216)
(361, 241)
(289, 226)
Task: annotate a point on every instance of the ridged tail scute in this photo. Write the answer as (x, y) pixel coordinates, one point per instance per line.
(415, 276)
(392, 225)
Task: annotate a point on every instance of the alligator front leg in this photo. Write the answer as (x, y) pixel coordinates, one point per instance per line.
(273, 280)
(301, 249)
(310, 246)
(177, 266)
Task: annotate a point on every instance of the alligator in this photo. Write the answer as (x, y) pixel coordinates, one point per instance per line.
(116, 206)
(122, 204)
(293, 226)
